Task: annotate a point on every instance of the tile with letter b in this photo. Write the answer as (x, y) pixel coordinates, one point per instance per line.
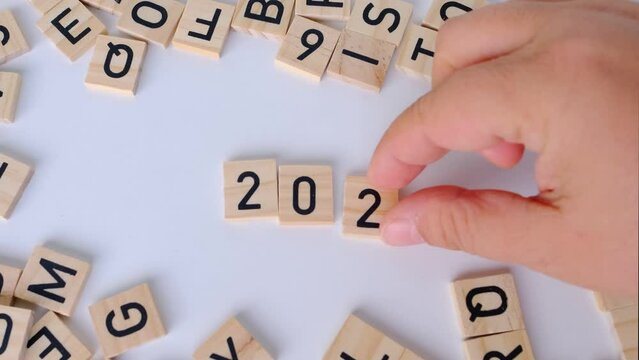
(8, 281)
(151, 20)
(487, 305)
(511, 345)
(324, 9)
(305, 194)
(15, 324)
(51, 339)
(116, 64)
(365, 206)
(204, 27)
(10, 84)
(12, 41)
(111, 6)
(384, 20)
(268, 18)
(417, 51)
(126, 320)
(442, 10)
(250, 189)
(231, 341)
(307, 48)
(14, 177)
(53, 280)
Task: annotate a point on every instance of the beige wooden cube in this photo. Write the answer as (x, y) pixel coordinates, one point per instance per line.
(231, 341)
(510, 345)
(306, 194)
(51, 339)
(442, 10)
(14, 177)
(384, 20)
(324, 9)
(15, 324)
(151, 20)
(42, 6)
(365, 206)
(10, 84)
(259, 18)
(12, 41)
(8, 281)
(204, 27)
(111, 6)
(416, 53)
(250, 189)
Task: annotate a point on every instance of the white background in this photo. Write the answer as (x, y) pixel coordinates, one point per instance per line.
(135, 186)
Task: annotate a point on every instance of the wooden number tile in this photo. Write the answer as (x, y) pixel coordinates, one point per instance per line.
(71, 27)
(53, 280)
(384, 20)
(116, 64)
(324, 9)
(365, 206)
(15, 324)
(51, 339)
(442, 10)
(126, 320)
(511, 345)
(151, 20)
(488, 305)
(361, 60)
(110, 6)
(307, 48)
(10, 84)
(44, 5)
(14, 176)
(204, 27)
(305, 194)
(417, 51)
(8, 281)
(608, 302)
(250, 189)
(263, 18)
(12, 41)
(231, 341)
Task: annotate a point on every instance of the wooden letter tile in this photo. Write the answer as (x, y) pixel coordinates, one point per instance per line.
(361, 60)
(10, 84)
(151, 20)
(384, 20)
(12, 41)
(204, 27)
(511, 345)
(306, 194)
(110, 6)
(231, 341)
(608, 302)
(488, 305)
(126, 320)
(417, 51)
(250, 189)
(8, 281)
(116, 64)
(626, 324)
(632, 354)
(44, 5)
(15, 324)
(269, 18)
(442, 10)
(51, 339)
(324, 9)
(307, 48)
(52, 280)
(14, 177)
(365, 206)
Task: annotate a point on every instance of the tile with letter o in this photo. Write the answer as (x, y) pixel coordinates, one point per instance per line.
(151, 20)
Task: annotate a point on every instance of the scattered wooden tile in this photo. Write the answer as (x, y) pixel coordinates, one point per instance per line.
(15, 324)
(608, 302)
(151, 20)
(52, 280)
(126, 320)
(270, 20)
(417, 51)
(305, 194)
(365, 206)
(307, 48)
(324, 9)
(510, 345)
(231, 341)
(361, 60)
(71, 27)
(627, 334)
(10, 84)
(384, 20)
(487, 305)
(12, 41)
(250, 189)
(204, 27)
(111, 6)
(51, 339)
(14, 177)
(116, 64)
(626, 314)
(632, 354)
(44, 5)
(8, 280)
(442, 10)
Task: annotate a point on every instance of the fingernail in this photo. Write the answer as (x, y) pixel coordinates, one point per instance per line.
(401, 232)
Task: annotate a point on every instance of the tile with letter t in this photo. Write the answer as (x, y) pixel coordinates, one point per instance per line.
(442, 10)
(10, 84)
(487, 305)
(231, 341)
(14, 177)
(51, 339)
(268, 18)
(324, 9)
(204, 27)
(365, 206)
(417, 51)
(111, 6)
(250, 189)
(126, 320)
(384, 20)
(151, 20)
(116, 64)
(15, 324)
(71, 27)
(307, 48)
(306, 194)
(8, 281)
(53, 280)
(512, 345)
(12, 41)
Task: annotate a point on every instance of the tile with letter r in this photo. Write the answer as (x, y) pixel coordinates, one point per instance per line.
(14, 177)
(305, 194)
(231, 341)
(324, 9)
(384, 20)
(442, 10)
(12, 40)
(267, 18)
(365, 206)
(416, 53)
(151, 20)
(10, 84)
(512, 345)
(8, 281)
(204, 27)
(15, 324)
(250, 189)
(51, 339)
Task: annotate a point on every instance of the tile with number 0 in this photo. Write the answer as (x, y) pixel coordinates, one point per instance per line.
(51, 339)
(416, 53)
(250, 189)
(231, 341)
(384, 20)
(14, 177)
(151, 20)
(305, 195)
(10, 84)
(323, 9)
(111, 6)
(442, 10)
(204, 27)
(8, 281)
(268, 19)
(365, 206)
(510, 345)
(12, 40)
(15, 324)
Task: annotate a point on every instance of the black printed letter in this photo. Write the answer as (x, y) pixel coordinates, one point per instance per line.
(263, 15)
(325, 3)
(443, 11)
(164, 15)
(66, 30)
(232, 350)
(52, 268)
(211, 25)
(7, 332)
(4, 165)
(476, 310)
(499, 356)
(115, 50)
(420, 50)
(345, 356)
(382, 15)
(54, 344)
(5, 35)
(126, 308)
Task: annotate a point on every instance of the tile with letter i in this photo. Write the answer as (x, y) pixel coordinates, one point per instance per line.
(12, 41)
(305, 195)
(8, 281)
(151, 20)
(51, 339)
(204, 27)
(10, 84)
(250, 189)
(365, 206)
(111, 6)
(442, 10)
(384, 20)
(324, 9)
(268, 18)
(14, 177)
(231, 341)
(15, 324)
(512, 345)
(417, 51)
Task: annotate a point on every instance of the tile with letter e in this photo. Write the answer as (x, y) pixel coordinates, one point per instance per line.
(71, 27)
(151, 20)
(15, 324)
(361, 60)
(231, 341)
(14, 177)
(306, 194)
(126, 320)
(52, 280)
(116, 64)
(268, 18)
(250, 189)
(487, 305)
(8, 281)
(365, 206)
(511, 345)
(10, 84)
(204, 27)
(111, 6)
(42, 6)
(384, 20)
(307, 48)
(324, 9)
(12, 41)
(51, 339)
(442, 10)
(417, 51)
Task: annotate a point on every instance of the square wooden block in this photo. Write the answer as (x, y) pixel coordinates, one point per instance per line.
(10, 84)
(42, 6)
(8, 281)
(307, 48)
(417, 51)
(14, 177)
(384, 20)
(270, 20)
(608, 302)
(510, 345)
(51, 339)
(204, 27)
(250, 189)
(151, 20)
(12, 41)
(442, 10)
(126, 320)
(306, 194)
(111, 6)
(53, 280)
(324, 9)
(365, 206)
(361, 60)
(488, 305)
(231, 341)
(71, 27)
(116, 64)
(15, 324)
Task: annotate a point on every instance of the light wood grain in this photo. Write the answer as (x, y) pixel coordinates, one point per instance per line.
(50, 331)
(416, 53)
(449, 9)
(511, 345)
(15, 44)
(608, 302)
(160, 29)
(9, 277)
(322, 177)
(111, 6)
(232, 333)
(204, 27)
(14, 177)
(42, 6)
(272, 21)
(265, 195)
(10, 84)
(359, 197)
(324, 9)
(397, 14)
(15, 324)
